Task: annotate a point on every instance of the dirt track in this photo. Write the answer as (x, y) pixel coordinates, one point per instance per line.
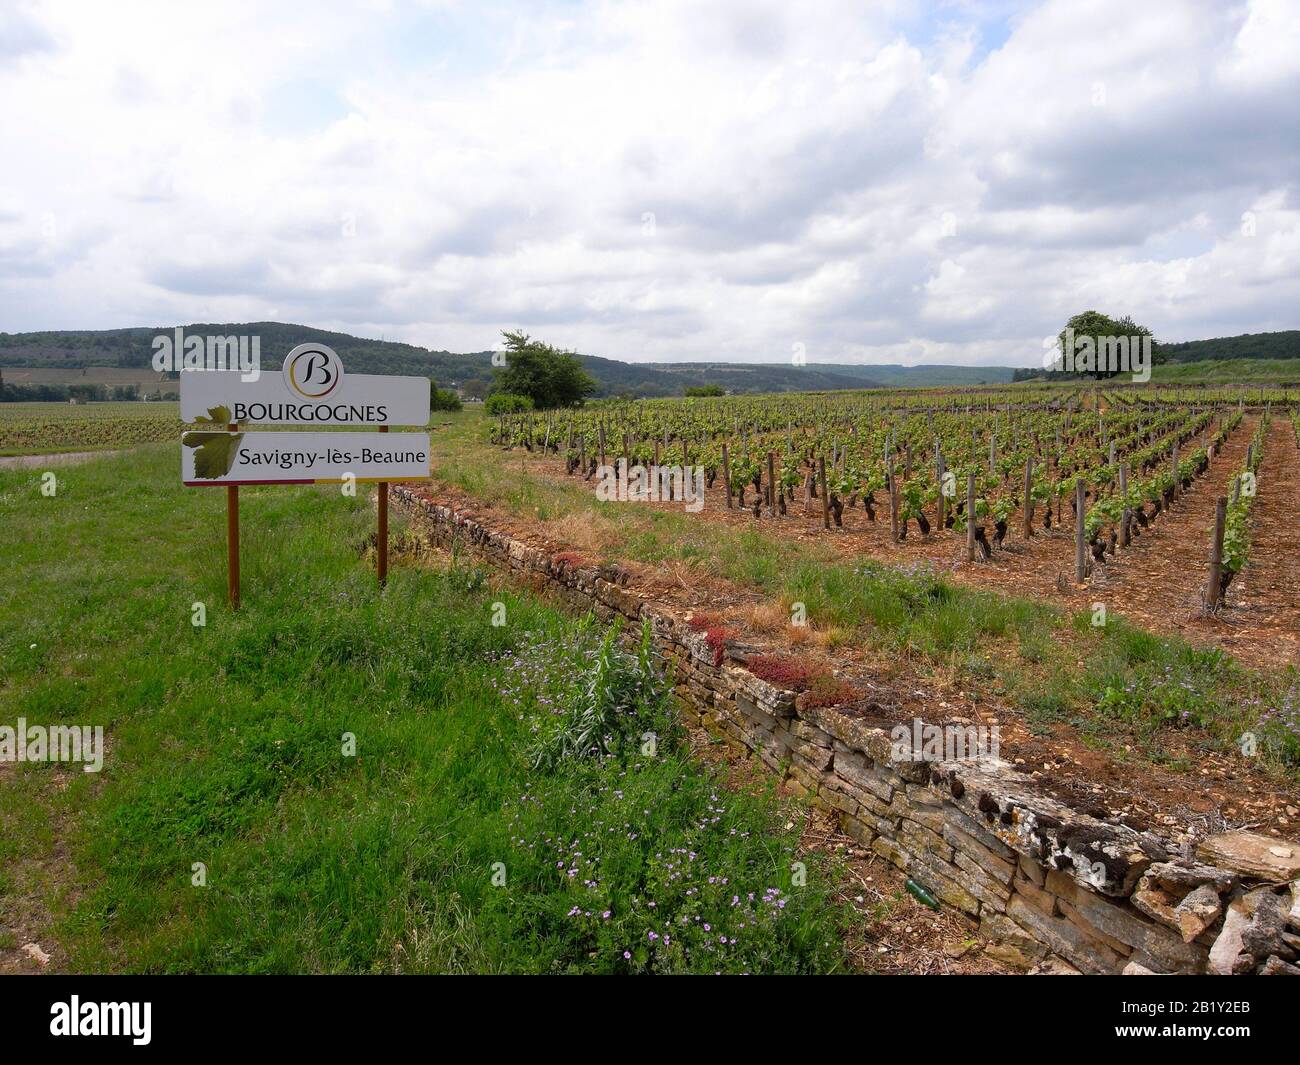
(1268, 600)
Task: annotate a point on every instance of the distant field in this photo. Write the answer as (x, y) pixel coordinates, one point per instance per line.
(91, 375)
(49, 428)
(1230, 371)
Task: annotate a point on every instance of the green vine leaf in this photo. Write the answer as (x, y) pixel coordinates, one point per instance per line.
(214, 453)
(216, 416)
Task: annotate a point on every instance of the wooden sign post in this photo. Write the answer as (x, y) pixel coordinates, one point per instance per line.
(232, 538)
(381, 548)
(311, 390)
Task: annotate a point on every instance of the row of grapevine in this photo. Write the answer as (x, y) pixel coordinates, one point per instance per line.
(1232, 523)
(33, 428)
(1123, 463)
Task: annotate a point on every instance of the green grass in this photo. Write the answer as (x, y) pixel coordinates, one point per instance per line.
(226, 749)
(1229, 371)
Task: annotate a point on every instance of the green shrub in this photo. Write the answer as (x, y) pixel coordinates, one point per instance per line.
(507, 403)
(443, 399)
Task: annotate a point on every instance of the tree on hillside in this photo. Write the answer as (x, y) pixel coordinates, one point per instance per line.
(548, 376)
(1100, 329)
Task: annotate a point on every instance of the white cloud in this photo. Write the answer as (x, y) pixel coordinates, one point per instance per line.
(661, 181)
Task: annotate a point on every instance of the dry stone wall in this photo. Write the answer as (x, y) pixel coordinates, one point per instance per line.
(1043, 883)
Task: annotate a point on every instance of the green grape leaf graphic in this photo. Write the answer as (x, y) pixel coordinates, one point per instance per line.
(214, 453)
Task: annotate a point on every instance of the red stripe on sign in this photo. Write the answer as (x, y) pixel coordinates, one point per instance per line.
(227, 484)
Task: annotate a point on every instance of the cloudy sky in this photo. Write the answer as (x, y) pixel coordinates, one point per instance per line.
(878, 182)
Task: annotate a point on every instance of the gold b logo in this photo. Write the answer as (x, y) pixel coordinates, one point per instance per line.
(313, 371)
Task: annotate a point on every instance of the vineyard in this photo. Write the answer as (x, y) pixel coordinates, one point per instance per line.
(33, 428)
(1038, 490)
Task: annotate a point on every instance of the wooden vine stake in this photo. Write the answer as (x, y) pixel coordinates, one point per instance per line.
(1080, 547)
(826, 499)
(771, 484)
(726, 473)
(893, 500)
(970, 516)
(1213, 589)
(938, 473)
(1126, 518)
(1029, 499)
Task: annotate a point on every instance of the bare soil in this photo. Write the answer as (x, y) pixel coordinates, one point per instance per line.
(1267, 603)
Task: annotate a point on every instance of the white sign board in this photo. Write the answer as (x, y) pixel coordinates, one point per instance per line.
(210, 457)
(310, 389)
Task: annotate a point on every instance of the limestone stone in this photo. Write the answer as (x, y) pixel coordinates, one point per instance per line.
(1122, 924)
(751, 711)
(1227, 952)
(889, 850)
(929, 816)
(1157, 902)
(1041, 900)
(812, 734)
(913, 772)
(996, 868)
(1031, 870)
(992, 893)
(1253, 854)
(858, 770)
(1275, 966)
(858, 830)
(1065, 938)
(817, 758)
(837, 800)
(963, 822)
(1179, 877)
(1262, 935)
(1070, 913)
(1198, 910)
(1009, 954)
(798, 787)
(1003, 930)
(1136, 969)
(852, 732)
(1061, 885)
(920, 840)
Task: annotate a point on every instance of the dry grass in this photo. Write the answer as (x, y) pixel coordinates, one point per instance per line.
(767, 618)
(587, 532)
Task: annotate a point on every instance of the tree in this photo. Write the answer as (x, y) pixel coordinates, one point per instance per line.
(476, 388)
(442, 398)
(705, 390)
(1091, 332)
(548, 376)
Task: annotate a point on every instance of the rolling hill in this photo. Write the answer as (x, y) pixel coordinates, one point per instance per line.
(74, 350)
(59, 356)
